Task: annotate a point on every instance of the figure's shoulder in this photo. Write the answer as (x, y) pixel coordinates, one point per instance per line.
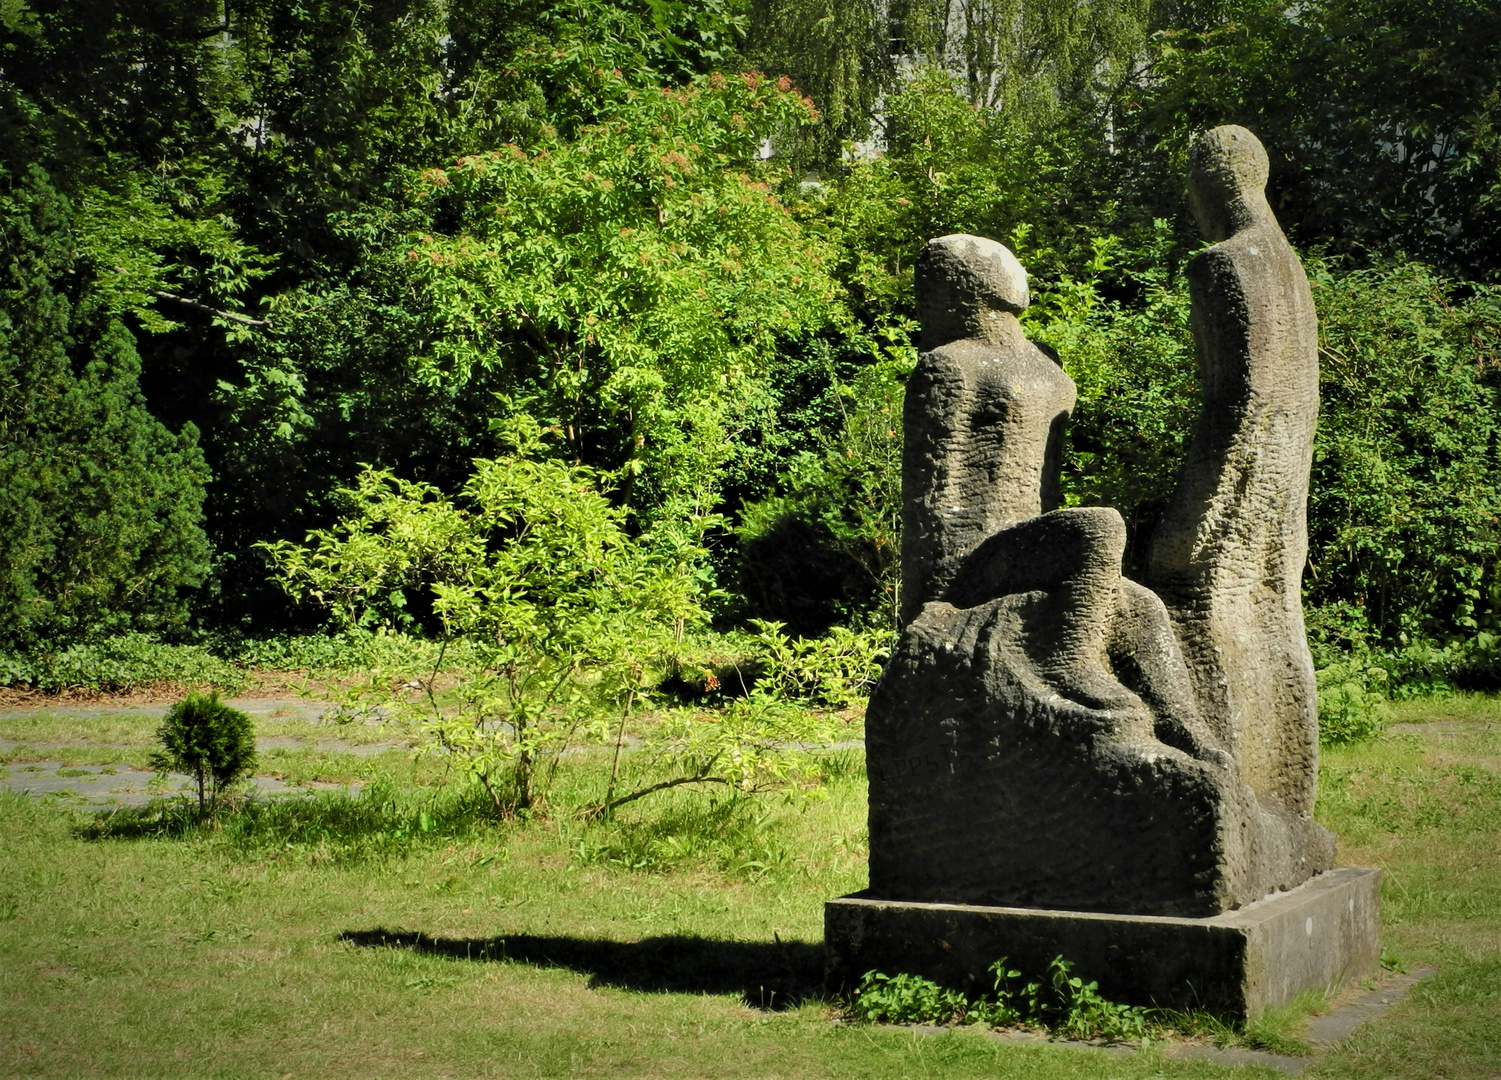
(970, 352)
(1214, 257)
(952, 357)
(977, 355)
(1257, 245)
(1225, 268)
(1018, 367)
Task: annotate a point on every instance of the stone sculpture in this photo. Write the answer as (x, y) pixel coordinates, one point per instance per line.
(1048, 733)
(1228, 557)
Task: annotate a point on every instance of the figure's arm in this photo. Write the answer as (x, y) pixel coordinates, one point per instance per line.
(1042, 554)
(933, 443)
(1221, 331)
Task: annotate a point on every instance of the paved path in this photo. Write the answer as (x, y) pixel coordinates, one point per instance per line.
(111, 786)
(258, 708)
(97, 786)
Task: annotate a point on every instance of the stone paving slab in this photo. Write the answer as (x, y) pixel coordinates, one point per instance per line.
(1365, 1007)
(98, 787)
(273, 742)
(314, 712)
(111, 787)
(279, 708)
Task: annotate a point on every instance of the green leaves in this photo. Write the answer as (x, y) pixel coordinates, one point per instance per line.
(630, 283)
(1404, 511)
(100, 504)
(210, 740)
(561, 612)
(837, 519)
(1380, 116)
(1134, 366)
(1060, 1002)
(838, 670)
(906, 999)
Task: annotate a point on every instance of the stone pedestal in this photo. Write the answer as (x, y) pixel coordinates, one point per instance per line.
(1320, 935)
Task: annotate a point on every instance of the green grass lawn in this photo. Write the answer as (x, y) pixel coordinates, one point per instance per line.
(681, 944)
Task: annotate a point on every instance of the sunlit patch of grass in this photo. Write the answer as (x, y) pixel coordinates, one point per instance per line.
(1282, 1030)
(1474, 708)
(385, 818)
(297, 766)
(152, 945)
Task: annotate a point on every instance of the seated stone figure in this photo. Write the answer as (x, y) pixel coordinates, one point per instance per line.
(985, 411)
(1036, 739)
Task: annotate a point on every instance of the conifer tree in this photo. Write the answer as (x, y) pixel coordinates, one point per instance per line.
(100, 504)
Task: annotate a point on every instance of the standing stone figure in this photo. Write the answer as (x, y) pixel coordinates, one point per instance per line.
(1047, 732)
(1228, 556)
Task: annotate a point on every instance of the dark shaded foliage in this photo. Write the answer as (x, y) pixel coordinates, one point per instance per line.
(100, 504)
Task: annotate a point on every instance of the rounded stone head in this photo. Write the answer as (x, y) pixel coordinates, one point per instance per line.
(966, 286)
(1227, 174)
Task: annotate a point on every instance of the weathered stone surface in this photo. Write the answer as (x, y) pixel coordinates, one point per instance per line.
(1037, 738)
(984, 414)
(1237, 964)
(1051, 741)
(1228, 557)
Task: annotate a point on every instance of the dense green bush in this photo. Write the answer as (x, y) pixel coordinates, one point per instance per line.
(1131, 356)
(347, 651)
(1404, 513)
(1404, 509)
(825, 547)
(1380, 117)
(100, 505)
(209, 740)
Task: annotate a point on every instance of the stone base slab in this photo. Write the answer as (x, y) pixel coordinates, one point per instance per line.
(1320, 935)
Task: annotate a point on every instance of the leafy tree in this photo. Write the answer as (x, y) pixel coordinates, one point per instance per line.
(1133, 363)
(632, 291)
(561, 626)
(629, 286)
(836, 52)
(255, 158)
(1381, 117)
(560, 610)
(1404, 512)
(1029, 63)
(1025, 58)
(124, 111)
(825, 548)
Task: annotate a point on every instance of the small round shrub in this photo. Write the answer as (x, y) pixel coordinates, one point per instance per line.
(209, 740)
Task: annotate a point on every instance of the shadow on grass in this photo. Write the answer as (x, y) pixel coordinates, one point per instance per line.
(766, 974)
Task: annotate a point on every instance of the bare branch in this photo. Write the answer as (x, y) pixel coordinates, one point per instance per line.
(199, 305)
(700, 778)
